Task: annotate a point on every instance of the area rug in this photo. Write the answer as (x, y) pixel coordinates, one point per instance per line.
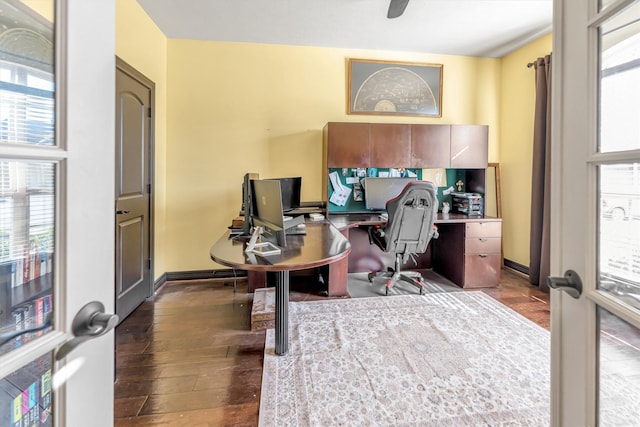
(358, 285)
(441, 359)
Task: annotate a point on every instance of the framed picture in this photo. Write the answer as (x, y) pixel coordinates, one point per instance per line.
(394, 88)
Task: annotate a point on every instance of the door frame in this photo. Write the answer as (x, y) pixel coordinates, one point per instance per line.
(145, 81)
(574, 322)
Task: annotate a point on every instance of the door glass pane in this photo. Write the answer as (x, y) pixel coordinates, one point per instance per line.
(619, 231)
(26, 73)
(620, 81)
(27, 214)
(603, 4)
(619, 376)
(25, 395)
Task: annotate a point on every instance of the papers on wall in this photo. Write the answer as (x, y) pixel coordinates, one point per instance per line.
(340, 192)
(352, 180)
(438, 176)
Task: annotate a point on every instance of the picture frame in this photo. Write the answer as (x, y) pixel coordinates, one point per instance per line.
(394, 88)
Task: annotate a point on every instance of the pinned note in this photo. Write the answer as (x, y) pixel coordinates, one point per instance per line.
(340, 192)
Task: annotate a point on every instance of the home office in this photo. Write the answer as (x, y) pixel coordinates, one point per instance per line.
(271, 102)
(475, 98)
(469, 250)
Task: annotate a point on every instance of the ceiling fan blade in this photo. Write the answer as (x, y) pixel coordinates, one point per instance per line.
(396, 8)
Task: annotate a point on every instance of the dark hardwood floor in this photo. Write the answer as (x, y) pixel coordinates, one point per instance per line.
(188, 356)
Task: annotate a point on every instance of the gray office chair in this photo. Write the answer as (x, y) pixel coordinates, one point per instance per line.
(408, 231)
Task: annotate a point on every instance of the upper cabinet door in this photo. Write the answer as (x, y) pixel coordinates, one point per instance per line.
(430, 146)
(469, 146)
(348, 145)
(390, 145)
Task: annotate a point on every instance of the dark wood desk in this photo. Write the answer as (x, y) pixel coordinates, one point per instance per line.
(468, 251)
(322, 245)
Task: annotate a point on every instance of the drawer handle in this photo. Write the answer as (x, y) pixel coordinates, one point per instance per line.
(483, 255)
(483, 239)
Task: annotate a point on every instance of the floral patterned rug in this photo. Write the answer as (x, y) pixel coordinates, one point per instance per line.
(359, 286)
(442, 359)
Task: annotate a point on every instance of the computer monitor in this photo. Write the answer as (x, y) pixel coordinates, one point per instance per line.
(247, 202)
(267, 210)
(290, 189)
(377, 191)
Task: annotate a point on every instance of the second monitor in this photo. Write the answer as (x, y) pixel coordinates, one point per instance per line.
(290, 189)
(377, 191)
(268, 210)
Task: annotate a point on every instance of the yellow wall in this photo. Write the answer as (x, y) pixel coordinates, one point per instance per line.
(237, 107)
(142, 45)
(232, 108)
(516, 133)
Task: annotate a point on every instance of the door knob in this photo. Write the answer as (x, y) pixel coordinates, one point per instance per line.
(570, 283)
(90, 322)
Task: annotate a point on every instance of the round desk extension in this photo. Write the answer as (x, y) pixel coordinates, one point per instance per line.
(323, 244)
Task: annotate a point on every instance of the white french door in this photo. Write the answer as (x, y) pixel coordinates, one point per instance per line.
(595, 222)
(57, 85)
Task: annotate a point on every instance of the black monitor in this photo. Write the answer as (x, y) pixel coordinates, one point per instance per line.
(247, 202)
(290, 189)
(267, 210)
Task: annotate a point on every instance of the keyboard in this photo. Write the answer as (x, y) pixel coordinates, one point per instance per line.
(298, 230)
(304, 210)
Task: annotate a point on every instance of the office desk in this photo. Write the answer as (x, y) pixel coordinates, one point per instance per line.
(322, 245)
(468, 251)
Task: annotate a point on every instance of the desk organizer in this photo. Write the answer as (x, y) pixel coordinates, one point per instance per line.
(468, 203)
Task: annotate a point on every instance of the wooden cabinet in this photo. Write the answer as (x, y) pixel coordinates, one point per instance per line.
(348, 145)
(430, 146)
(394, 145)
(468, 253)
(469, 146)
(390, 145)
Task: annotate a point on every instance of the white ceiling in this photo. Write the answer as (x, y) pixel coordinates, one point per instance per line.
(488, 28)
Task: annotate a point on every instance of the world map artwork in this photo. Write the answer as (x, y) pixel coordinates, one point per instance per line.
(395, 90)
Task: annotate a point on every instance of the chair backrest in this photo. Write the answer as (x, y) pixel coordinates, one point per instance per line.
(411, 217)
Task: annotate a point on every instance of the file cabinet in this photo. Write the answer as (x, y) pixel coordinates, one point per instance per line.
(469, 253)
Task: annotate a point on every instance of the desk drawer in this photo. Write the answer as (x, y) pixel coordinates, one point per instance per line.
(484, 229)
(482, 245)
(482, 270)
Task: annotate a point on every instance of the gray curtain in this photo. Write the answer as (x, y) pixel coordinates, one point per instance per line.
(540, 187)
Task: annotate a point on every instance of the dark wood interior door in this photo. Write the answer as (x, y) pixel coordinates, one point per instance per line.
(133, 278)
